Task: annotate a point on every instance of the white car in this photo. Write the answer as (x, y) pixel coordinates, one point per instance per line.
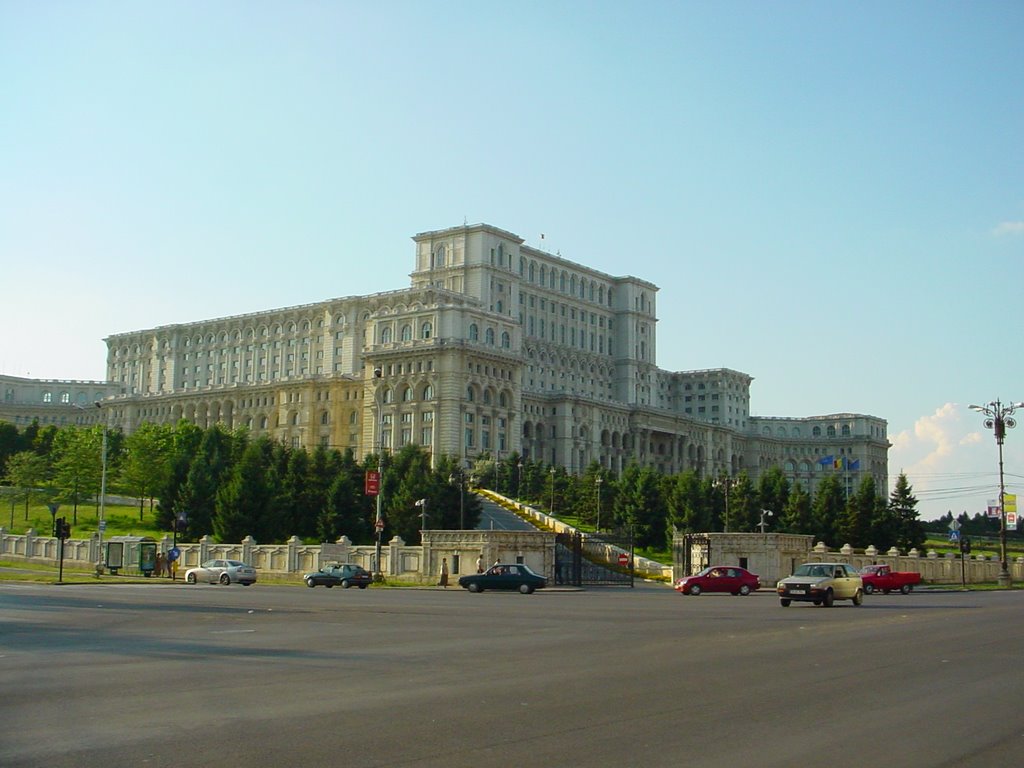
(223, 572)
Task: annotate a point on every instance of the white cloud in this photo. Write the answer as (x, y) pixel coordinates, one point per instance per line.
(943, 459)
(1009, 228)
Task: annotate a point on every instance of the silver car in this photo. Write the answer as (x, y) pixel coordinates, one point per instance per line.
(222, 572)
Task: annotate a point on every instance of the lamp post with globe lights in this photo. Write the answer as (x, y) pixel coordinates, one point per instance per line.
(999, 418)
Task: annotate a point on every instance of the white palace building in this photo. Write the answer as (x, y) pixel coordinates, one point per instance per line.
(496, 347)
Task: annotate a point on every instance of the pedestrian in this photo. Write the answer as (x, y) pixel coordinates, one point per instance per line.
(480, 564)
(158, 565)
(444, 572)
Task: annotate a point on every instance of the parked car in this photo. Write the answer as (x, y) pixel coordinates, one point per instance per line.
(223, 572)
(882, 578)
(720, 578)
(502, 576)
(345, 574)
(821, 584)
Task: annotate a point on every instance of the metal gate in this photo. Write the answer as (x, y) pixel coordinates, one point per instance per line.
(693, 553)
(605, 559)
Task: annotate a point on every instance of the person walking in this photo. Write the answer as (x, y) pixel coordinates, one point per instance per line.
(444, 572)
(480, 564)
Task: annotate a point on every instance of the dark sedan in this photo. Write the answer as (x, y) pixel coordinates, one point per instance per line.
(501, 576)
(345, 574)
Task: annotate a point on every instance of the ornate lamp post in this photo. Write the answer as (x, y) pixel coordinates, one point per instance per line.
(598, 481)
(551, 511)
(725, 482)
(378, 523)
(765, 513)
(459, 477)
(999, 418)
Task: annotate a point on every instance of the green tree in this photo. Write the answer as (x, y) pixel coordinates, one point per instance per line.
(796, 513)
(27, 471)
(860, 516)
(773, 491)
(639, 504)
(687, 503)
(147, 463)
(77, 466)
(827, 510)
(244, 500)
(910, 532)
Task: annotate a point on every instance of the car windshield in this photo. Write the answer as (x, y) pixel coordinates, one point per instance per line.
(816, 570)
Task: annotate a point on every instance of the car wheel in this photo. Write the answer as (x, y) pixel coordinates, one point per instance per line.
(817, 602)
(694, 590)
(905, 589)
(345, 584)
(829, 599)
(225, 579)
(473, 587)
(310, 582)
(784, 602)
(362, 586)
(329, 586)
(190, 578)
(744, 590)
(858, 597)
(868, 589)
(525, 589)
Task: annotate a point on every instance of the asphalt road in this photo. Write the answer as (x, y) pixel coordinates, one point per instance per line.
(171, 675)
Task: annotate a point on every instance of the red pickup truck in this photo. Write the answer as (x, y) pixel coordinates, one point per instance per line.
(884, 579)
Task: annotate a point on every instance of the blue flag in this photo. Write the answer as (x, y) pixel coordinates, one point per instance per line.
(853, 464)
(827, 460)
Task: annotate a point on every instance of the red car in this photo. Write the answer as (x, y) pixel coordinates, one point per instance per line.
(720, 578)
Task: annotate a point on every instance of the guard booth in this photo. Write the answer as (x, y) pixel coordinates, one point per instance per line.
(131, 553)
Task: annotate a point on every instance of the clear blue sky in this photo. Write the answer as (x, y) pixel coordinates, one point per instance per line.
(830, 195)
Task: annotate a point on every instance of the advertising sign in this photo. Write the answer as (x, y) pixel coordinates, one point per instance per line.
(1010, 500)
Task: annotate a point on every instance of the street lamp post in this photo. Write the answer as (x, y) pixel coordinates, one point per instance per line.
(999, 418)
(551, 511)
(458, 477)
(378, 523)
(102, 523)
(765, 513)
(519, 483)
(597, 481)
(726, 483)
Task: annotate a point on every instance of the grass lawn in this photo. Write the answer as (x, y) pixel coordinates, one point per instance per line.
(121, 520)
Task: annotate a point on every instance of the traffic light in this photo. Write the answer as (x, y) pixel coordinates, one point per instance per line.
(965, 546)
(66, 531)
(62, 528)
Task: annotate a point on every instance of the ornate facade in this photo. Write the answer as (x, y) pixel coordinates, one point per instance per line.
(496, 347)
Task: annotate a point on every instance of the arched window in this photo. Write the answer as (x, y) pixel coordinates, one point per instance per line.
(831, 431)
(487, 397)
(425, 330)
(406, 333)
(816, 432)
(428, 392)
(846, 430)
(352, 418)
(324, 418)
(489, 336)
(263, 422)
(65, 397)
(385, 335)
(295, 419)
(470, 397)
(389, 396)
(407, 395)
(474, 332)
(506, 340)
(47, 397)
(503, 400)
